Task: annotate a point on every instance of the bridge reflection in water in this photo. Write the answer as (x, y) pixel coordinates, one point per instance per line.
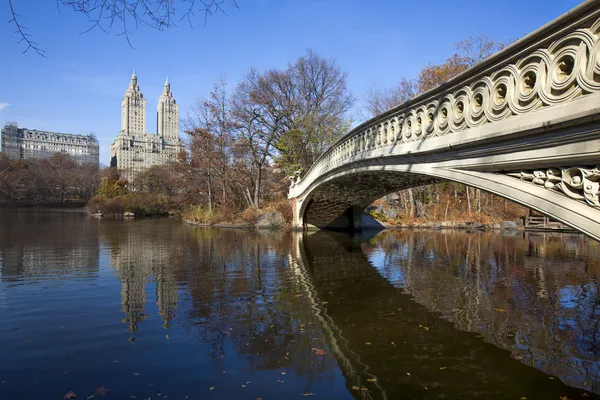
(450, 314)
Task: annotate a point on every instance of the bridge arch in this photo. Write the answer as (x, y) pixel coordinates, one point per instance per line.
(324, 209)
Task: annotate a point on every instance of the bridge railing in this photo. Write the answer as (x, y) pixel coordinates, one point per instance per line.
(555, 64)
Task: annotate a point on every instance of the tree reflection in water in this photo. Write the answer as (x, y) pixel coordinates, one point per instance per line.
(535, 296)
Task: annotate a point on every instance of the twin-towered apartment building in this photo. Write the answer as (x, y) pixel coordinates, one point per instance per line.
(134, 150)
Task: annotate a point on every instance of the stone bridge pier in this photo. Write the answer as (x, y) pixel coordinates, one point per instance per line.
(523, 124)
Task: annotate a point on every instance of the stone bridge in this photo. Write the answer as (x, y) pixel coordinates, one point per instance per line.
(523, 124)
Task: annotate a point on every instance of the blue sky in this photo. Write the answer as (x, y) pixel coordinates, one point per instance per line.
(79, 86)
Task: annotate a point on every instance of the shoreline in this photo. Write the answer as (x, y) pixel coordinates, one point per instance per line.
(472, 226)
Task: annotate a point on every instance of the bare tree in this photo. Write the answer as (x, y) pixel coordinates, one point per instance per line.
(377, 100)
(319, 101)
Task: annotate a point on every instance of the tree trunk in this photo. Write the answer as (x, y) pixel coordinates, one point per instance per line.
(209, 191)
(468, 200)
(257, 187)
(411, 203)
(446, 212)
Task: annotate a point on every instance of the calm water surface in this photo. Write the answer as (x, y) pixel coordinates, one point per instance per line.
(155, 309)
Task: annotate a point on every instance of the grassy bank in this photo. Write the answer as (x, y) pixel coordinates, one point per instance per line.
(276, 214)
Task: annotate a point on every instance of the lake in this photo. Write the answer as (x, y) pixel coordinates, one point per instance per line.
(155, 309)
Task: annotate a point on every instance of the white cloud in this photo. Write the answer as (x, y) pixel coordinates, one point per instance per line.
(3, 106)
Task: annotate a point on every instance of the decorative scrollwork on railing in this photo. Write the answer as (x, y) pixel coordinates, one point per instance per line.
(562, 65)
(579, 183)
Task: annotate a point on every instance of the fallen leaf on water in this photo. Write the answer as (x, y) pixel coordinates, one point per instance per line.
(550, 377)
(523, 398)
(408, 373)
(101, 391)
(323, 302)
(500, 309)
(372, 379)
(212, 388)
(563, 397)
(368, 343)
(393, 344)
(442, 368)
(308, 394)
(320, 352)
(355, 388)
(364, 389)
(70, 395)
(283, 373)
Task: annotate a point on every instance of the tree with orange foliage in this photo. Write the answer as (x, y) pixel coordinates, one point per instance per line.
(467, 53)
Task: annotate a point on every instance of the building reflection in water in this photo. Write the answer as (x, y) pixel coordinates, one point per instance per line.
(141, 255)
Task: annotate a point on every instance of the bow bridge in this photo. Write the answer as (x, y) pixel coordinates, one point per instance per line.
(523, 124)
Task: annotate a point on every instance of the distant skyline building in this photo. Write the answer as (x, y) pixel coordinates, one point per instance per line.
(134, 150)
(31, 144)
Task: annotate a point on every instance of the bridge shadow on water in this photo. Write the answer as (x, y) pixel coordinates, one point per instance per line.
(456, 315)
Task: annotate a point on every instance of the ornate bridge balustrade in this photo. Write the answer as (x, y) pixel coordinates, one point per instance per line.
(522, 124)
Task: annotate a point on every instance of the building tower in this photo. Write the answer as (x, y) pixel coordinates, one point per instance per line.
(133, 109)
(167, 115)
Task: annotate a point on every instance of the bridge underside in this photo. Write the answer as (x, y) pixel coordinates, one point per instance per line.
(338, 203)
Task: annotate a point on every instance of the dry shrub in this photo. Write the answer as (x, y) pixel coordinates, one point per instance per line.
(146, 203)
(283, 207)
(95, 204)
(251, 215)
(201, 215)
(112, 208)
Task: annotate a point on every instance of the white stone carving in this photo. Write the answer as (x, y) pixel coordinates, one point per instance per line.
(579, 183)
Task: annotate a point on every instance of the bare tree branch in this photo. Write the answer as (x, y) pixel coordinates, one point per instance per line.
(24, 37)
(106, 14)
